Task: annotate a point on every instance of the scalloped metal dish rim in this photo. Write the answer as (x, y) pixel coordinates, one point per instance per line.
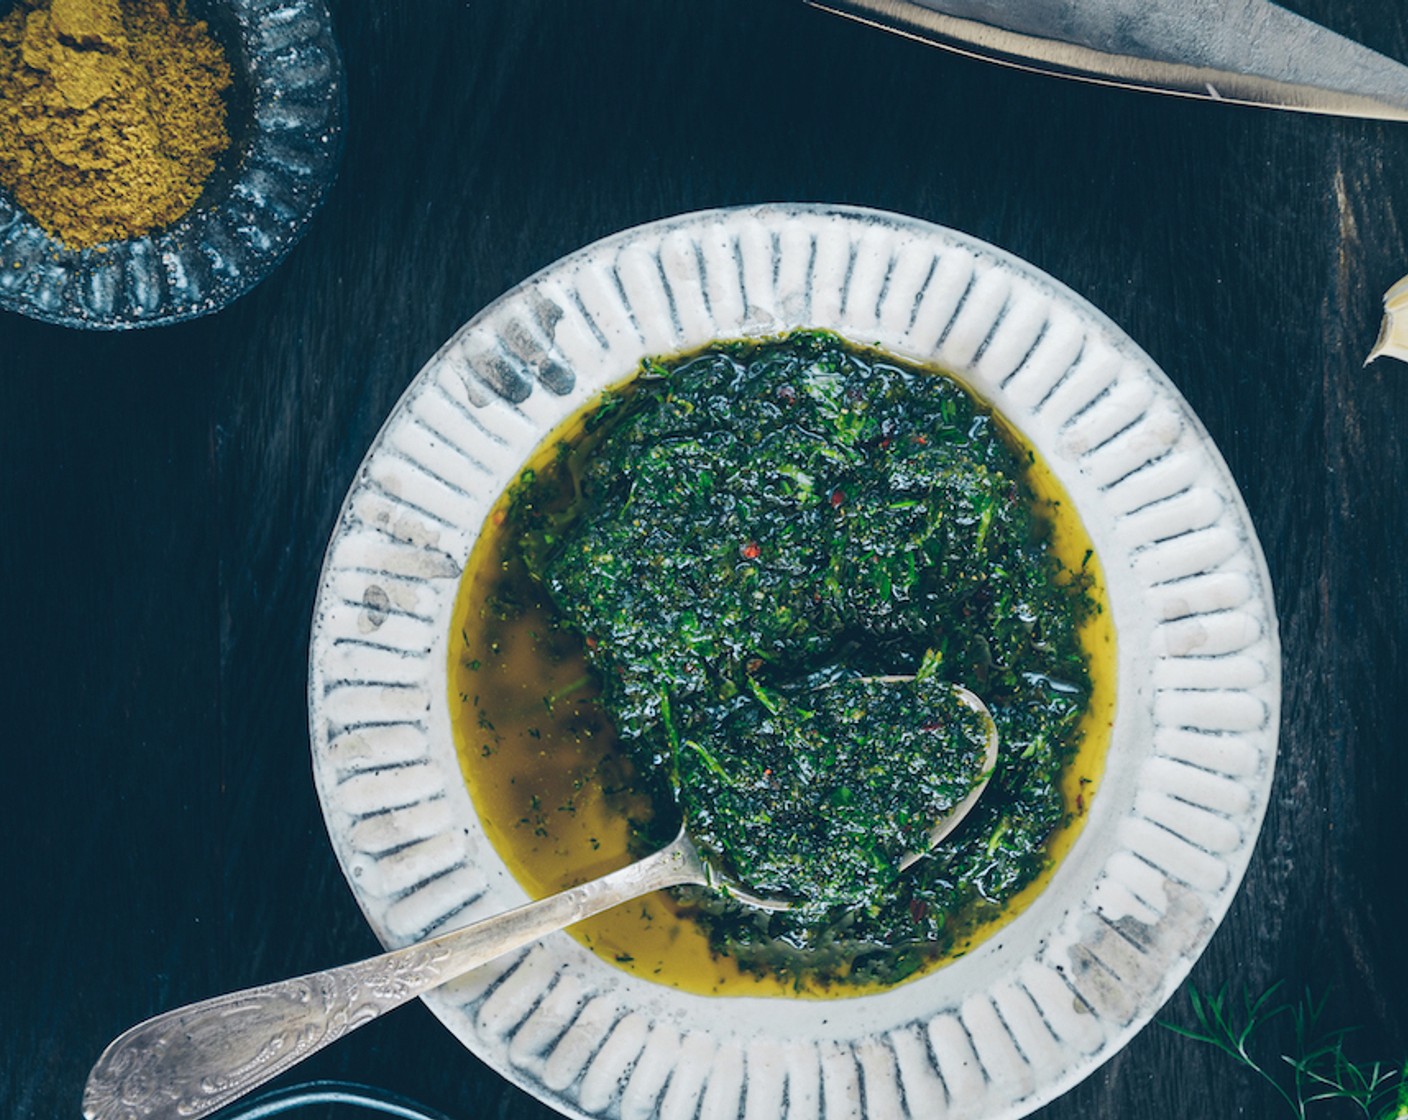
(163, 249)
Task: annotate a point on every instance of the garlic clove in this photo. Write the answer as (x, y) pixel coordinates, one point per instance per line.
(1393, 331)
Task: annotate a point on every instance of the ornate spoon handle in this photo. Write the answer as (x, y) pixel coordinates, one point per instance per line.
(186, 1063)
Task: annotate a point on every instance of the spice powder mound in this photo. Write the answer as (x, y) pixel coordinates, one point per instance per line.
(111, 115)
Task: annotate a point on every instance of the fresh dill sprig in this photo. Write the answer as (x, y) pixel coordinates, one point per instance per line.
(1316, 1071)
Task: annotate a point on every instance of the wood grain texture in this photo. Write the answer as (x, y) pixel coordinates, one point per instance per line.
(166, 496)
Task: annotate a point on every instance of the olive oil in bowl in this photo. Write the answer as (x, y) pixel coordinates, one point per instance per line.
(564, 801)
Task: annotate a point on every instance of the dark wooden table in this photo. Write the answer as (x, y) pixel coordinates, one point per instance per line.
(166, 495)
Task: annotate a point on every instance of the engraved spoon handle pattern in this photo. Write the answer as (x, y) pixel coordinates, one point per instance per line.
(186, 1063)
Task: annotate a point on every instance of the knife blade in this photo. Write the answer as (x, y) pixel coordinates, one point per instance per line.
(1248, 52)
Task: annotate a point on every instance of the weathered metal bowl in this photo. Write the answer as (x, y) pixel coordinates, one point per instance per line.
(285, 116)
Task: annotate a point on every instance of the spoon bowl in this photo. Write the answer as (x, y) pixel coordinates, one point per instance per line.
(955, 816)
(186, 1063)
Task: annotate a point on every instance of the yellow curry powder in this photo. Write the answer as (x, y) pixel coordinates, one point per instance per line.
(111, 115)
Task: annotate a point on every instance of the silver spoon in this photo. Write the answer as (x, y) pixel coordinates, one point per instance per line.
(188, 1062)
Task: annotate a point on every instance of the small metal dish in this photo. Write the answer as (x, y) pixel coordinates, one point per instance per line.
(286, 109)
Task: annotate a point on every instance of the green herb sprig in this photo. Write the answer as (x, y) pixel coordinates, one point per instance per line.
(1317, 1071)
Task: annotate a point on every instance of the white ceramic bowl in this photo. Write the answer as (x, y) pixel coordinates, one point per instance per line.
(1031, 1011)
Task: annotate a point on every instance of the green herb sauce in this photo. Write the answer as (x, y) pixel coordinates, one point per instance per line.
(716, 568)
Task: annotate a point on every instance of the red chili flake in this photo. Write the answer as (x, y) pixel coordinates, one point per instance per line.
(753, 664)
(768, 772)
(838, 497)
(922, 440)
(591, 642)
(884, 443)
(918, 909)
(1080, 803)
(500, 516)
(751, 550)
(933, 725)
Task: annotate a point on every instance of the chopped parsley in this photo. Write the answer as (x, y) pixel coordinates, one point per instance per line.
(744, 539)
